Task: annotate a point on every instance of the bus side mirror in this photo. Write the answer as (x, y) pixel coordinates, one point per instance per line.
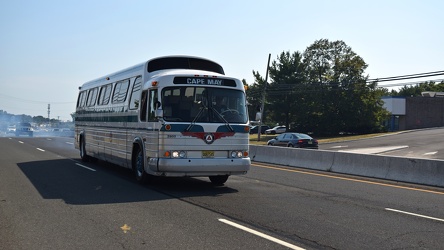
(157, 105)
(258, 116)
(159, 113)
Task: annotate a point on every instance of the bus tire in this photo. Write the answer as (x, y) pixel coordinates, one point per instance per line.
(83, 154)
(139, 165)
(218, 180)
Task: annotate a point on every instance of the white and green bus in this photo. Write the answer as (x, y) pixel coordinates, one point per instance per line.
(169, 116)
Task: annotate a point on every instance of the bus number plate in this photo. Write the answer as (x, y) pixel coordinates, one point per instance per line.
(207, 154)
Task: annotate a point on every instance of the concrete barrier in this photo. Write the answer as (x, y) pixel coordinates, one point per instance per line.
(418, 171)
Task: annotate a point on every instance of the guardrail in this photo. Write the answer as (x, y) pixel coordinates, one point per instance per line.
(418, 171)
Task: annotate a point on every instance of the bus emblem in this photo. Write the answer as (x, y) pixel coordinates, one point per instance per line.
(209, 138)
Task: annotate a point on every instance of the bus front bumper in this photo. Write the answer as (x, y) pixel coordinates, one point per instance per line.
(198, 167)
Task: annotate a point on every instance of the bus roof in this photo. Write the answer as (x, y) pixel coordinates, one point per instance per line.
(157, 64)
(184, 62)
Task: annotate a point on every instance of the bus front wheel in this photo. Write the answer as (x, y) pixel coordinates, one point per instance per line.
(139, 166)
(218, 180)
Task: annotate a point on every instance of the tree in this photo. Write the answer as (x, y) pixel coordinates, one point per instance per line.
(345, 103)
(39, 120)
(322, 90)
(287, 76)
(416, 90)
(254, 95)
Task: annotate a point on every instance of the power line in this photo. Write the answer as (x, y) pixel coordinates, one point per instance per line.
(410, 83)
(434, 72)
(282, 89)
(406, 77)
(290, 87)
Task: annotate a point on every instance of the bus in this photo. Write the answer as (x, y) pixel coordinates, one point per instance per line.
(169, 116)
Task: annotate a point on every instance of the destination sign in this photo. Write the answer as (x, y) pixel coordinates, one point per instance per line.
(204, 81)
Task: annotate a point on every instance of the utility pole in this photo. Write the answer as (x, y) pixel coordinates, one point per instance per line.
(263, 101)
(49, 111)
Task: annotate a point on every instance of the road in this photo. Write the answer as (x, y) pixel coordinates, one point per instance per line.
(426, 144)
(51, 200)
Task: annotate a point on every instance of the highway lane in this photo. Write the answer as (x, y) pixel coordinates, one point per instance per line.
(48, 200)
(424, 143)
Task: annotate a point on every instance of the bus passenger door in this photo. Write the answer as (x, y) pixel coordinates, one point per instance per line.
(152, 141)
(150, 125)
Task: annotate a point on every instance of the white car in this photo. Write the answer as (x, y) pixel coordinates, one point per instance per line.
(276, 130)
(11, 129)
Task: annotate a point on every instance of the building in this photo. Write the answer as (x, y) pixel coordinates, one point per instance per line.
(424, 111)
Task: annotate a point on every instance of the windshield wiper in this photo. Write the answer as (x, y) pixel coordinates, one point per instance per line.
(223, 119)
(197, 116)
(200, 113)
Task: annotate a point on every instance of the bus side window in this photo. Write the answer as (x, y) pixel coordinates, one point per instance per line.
(92, 94)
(120, 91)
(104, 96)
(81, 100)
(152, 105)
(143, 110)
(135, 95)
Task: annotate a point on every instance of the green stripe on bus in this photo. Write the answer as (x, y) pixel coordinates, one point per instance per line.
(124, 118)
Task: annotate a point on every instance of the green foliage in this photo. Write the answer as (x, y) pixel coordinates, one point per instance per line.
(254, 95)
(287, 74)
(416, 90)
(322, 90)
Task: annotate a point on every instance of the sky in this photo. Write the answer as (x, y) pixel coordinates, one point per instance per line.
(50, 48)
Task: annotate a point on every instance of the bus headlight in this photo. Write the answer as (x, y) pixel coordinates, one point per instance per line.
(182, 154)
(233, 154)
(178, 154)
(238, 154)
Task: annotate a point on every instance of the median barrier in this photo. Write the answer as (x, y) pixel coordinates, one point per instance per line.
(375, 166)
(418, 171)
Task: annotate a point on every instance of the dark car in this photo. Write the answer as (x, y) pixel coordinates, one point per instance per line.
(254, 129)
(23, 128)
(296, 140)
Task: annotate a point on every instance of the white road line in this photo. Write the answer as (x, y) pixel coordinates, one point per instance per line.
(431, 153)
(85, 167)
(418, 215)
(68, 142)
(339, 147)
(374, 150)
(21, 142)
(49, 139)
(41, 149)
(270, 238)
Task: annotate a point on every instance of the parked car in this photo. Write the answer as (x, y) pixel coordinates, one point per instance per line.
(296, 140)
(24, 128)
(276, 130)
(254, 129)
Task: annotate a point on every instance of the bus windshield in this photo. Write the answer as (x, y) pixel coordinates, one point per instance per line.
(204, 105)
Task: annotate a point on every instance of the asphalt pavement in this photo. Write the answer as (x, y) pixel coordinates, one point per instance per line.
(49, 199)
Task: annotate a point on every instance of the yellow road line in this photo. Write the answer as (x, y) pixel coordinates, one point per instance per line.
(347, 178)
